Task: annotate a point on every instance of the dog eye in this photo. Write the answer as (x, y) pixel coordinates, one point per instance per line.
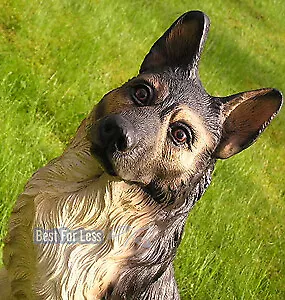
(180, 134)
(142, 94)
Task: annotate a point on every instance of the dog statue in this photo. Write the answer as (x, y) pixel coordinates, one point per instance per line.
(104, 220)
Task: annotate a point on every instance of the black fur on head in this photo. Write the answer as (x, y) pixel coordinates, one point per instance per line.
(162, 130)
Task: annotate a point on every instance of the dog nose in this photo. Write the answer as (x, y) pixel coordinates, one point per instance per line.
(117, 133)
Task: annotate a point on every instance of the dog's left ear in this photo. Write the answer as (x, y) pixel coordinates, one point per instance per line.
(246, 115)
(181, 45)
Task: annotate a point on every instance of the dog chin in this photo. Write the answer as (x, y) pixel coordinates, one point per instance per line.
(125, 175)
(130, 177)
(114, 168)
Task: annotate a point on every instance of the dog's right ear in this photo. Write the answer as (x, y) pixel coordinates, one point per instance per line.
(181, 45)
(246, 115)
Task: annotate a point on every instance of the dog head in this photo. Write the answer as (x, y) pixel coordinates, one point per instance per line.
(162, 126)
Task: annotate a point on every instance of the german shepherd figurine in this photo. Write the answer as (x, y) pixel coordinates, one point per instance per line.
(104, 220)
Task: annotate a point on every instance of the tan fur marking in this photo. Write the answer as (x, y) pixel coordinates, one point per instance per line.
(120, 100)
(115, 102)
(186, 160)
(204, 138)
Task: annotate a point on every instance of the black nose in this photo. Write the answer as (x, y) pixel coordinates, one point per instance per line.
(116, 133)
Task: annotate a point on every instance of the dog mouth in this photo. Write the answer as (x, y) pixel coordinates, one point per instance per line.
(103, 159)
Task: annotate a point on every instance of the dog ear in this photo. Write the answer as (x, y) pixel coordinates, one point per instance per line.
(181, 45)
(246, 115)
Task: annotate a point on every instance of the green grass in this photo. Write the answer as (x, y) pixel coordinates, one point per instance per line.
(57, 59)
